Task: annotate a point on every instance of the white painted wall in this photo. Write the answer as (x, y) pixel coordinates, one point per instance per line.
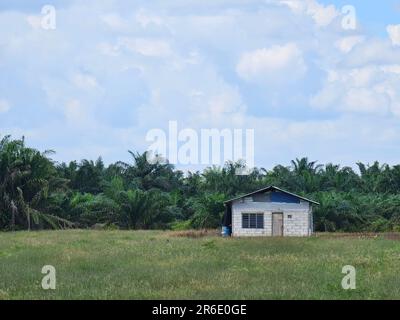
(299, 225)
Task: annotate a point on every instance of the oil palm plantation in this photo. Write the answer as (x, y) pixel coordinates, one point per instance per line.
(36, 192)
(27, 177)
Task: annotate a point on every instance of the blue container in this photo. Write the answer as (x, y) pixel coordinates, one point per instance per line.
(226, 231)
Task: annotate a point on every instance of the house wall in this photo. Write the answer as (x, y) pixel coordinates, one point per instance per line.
(299, 225)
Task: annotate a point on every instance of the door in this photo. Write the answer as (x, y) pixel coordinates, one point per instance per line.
(277, 224)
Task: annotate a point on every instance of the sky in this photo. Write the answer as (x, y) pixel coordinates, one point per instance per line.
(297, 72)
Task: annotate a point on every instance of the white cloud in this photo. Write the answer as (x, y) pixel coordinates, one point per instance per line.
(108, 49)
(85, 81)
(4, 106)
(114, 21)
(332, 140)
(368, 90)
(294, 5)
(227, 104)
(145, 18)
(117, 92)
(362, 77)
(147, 46)
(394, 68)
(322, 15)
(272, 64)
(74, 112)
(325, 98)
(365, 100)
(394, 34)
(34, 21)
(346, 44)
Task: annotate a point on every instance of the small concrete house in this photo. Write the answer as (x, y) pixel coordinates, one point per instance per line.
(270, 211)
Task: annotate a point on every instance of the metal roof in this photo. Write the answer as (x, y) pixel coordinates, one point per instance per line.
(269, 189)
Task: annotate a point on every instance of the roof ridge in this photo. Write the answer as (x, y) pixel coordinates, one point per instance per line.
(271, 187)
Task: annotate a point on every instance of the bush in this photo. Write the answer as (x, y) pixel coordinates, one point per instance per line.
(181, 225)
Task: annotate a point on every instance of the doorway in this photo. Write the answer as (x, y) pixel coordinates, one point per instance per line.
(277, 224)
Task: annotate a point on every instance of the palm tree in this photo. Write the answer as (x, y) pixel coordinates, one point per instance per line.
(306, 175)
(303, 165)
(26, 176)
(373, 176)
(142, 209)
(147, 175)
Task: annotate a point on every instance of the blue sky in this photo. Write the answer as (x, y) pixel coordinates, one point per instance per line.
(113, 70)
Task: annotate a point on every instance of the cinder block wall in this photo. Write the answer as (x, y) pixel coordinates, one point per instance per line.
(237, 229)
(298, 225)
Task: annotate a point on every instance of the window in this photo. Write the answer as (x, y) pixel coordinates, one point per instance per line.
(253, 221)
(289, 216)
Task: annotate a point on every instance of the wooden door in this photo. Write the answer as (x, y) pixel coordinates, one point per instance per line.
(277, 224)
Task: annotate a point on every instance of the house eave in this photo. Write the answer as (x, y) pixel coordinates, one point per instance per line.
(268, 189)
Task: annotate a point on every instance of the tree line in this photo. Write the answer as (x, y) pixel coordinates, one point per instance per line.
(39, 193)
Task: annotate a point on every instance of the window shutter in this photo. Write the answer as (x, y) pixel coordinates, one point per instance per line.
(245, 221)
(252, 220)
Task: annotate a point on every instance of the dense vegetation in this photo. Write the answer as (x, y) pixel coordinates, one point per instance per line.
(37, 193)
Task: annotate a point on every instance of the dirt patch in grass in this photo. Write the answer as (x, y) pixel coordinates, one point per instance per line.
(194, 233)
(392, 236)
(359, 235)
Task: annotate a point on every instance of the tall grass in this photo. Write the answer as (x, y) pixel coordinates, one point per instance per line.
(160, 265)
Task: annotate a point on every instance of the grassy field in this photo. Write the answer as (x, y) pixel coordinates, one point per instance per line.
(161, 265)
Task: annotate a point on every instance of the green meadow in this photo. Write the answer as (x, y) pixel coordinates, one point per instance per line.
(172, 265)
